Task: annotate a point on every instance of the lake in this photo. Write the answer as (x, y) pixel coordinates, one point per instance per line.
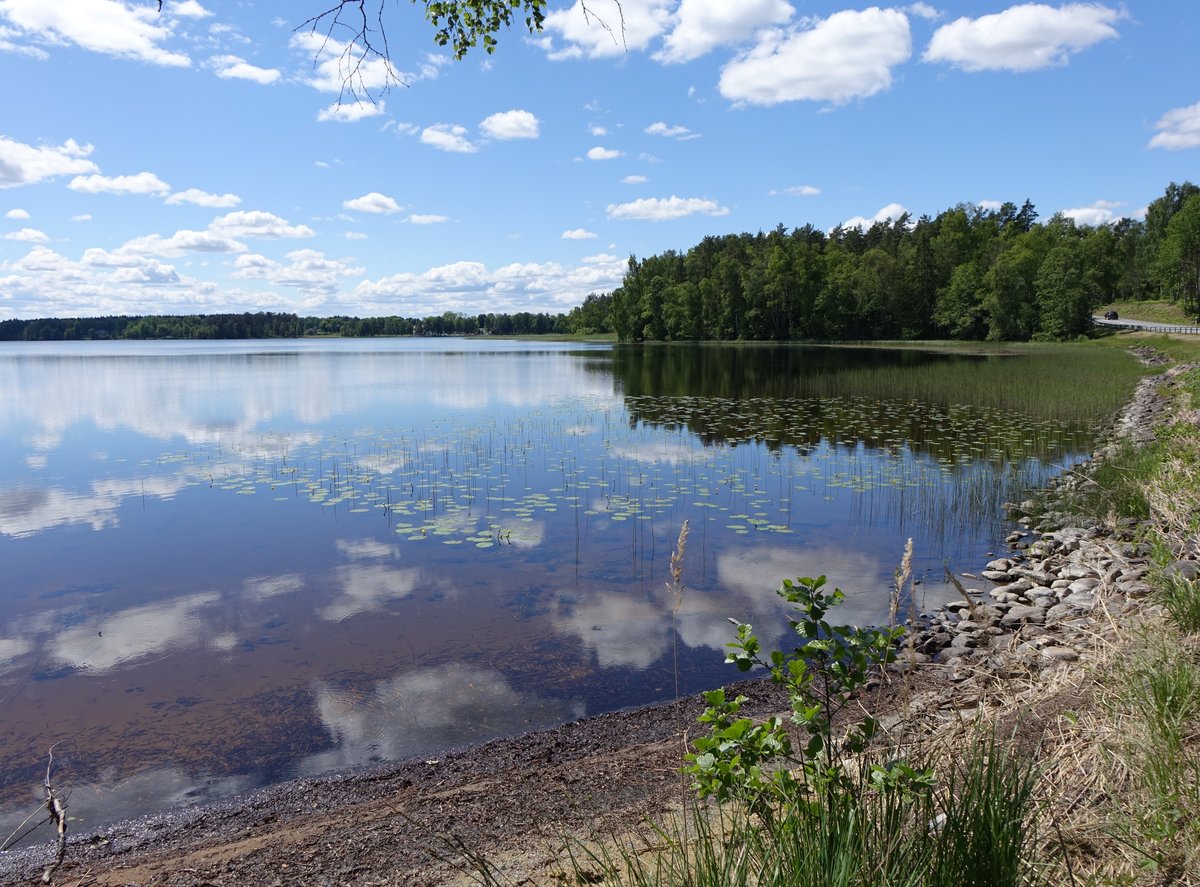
(231, 563)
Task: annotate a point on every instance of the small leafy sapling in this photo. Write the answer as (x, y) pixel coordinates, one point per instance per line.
(757, 762)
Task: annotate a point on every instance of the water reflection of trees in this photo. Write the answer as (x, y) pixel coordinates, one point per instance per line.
(803, 397)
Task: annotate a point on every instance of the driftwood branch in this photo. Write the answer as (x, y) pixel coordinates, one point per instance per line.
(57, 808)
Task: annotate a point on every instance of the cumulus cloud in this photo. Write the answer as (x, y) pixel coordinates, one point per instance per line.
(178, 244)
(256, 223)
(448, 137)
(44, 283)
(633, 180)
(82, 217)
(923, 10)
(189, 9)
(515, 124)
(232, 67)
(471, 287)
(661, 209)
(1102, 212)
(141, 183)
(605, 29)
(797, 191)
(702, 25)
(350, 112)
(372, 203)
(579, 234)
(1022, 38)
(597, 132)
(223, 235)
(849, 55)
(682, 133)
(125, 30)
(203, 198)
(22, 164)
(338, 65)
(29, 235)
(308, 271)
(889, 213)
(601, 153)
(1178, 129)
(18, 214)
(427, 219)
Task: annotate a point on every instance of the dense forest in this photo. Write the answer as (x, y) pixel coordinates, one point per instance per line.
(970, 273)
(267, 325)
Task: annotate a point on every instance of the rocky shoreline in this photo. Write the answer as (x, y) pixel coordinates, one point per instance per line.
(1037, 609)
(1064, 583)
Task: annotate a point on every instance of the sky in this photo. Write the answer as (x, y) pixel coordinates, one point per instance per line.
(217, 156)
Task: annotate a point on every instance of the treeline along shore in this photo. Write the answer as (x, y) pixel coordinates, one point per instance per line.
(976, 271)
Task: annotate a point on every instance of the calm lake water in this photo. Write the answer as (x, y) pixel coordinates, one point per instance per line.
(223, 564)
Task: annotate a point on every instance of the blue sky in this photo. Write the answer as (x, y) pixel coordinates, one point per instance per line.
(198, 160)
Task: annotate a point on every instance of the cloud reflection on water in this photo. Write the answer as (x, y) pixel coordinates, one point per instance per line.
(136, 633)
(425, 712)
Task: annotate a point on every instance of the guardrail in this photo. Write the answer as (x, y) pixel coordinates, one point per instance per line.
(1150, 327)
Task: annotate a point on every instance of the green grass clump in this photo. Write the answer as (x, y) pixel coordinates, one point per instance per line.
(974, 830)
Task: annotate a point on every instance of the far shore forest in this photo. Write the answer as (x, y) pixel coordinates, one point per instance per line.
(971, 273)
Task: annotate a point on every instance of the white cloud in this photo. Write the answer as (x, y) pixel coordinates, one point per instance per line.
(1022, 38)
(633, 180)
(515, 124)
(29, 235)
(22, 164)
(1178, 129)
(448, 137)
(178, 244)
(847, 56)
(232, 67)
(579, 234)
(1099, 213)
(470, 287)
(309, 271)
(682, 133)
(106, 26)
(598, 132)
(82, 217)
(203, 198)
(350, 112)
(702, 25)
(797, 191)
(372, 203)
(889, 213)
(923, 10)
(601, 153)
(7, 44)
(189, 9)
(660, 209)
(355, 235)
(46, 284)
(340, 67)
(257, 223)
(427, 219)
(141, 183)
(606, 28)
(19, 214)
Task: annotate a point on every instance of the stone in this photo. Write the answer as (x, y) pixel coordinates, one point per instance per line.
(995, 575)
(1021, 613)
(1084, 585)
(1189, 570)
(1059, 612)
(1060, 654)
(1080, 600)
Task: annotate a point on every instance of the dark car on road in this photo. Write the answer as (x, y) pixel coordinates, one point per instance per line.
(1110, 315)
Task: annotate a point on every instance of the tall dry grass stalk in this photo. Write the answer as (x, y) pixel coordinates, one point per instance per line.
(675, 587)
